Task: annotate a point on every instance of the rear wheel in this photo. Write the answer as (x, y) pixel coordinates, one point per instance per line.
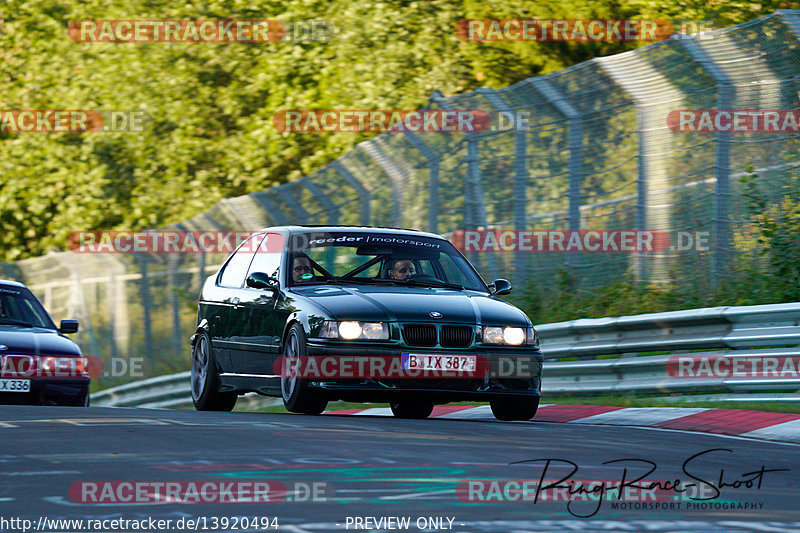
(205, 380)
(514, 407)
(298, 396)
(412, 409)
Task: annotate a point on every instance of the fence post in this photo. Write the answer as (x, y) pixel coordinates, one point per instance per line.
(389, 167)
(475, 195)
(722, 232)
(201, 275)
(322, 198)
(519, 200)
(474, 210)
(330, 207)
(172, 285)
(654, 95)
(433, 178)
(144, 295)
(272, 209)
(361, 191)
(289, 199)
(792, 19)
(575, 146)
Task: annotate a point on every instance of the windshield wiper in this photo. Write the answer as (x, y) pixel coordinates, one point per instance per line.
(361, 281)
(379, 281)
(433, 283)
(418, 283)
(13, 322)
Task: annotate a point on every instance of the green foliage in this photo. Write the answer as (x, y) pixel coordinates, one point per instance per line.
(563, 301)
(775, 217)
(210, 133)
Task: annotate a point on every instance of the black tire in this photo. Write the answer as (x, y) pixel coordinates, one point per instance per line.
(514, 407)
(412, 409)
(206, 395)
(298, 396)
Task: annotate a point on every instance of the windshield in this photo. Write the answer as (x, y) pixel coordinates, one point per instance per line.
(18, 307)
(369, 258)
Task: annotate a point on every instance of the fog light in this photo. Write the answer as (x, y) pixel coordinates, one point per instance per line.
(375, 330)
(492, 335)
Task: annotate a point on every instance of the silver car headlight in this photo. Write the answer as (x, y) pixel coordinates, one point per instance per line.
(353, 330)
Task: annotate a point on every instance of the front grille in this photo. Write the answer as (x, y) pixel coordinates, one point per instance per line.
(419, 334)
(456, 336)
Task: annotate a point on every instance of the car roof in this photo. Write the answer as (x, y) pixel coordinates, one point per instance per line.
(12, 283)
(310, 228)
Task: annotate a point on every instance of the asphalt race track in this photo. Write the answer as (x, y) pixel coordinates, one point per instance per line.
(372, 468)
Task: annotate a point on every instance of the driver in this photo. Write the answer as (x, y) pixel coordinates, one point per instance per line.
(401, 269)
(301, 265)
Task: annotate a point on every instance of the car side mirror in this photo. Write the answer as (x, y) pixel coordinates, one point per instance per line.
(261, 280)
(499, 287)
(68, 326)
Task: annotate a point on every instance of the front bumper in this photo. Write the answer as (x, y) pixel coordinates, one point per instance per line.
(511, 372)
(50, 392)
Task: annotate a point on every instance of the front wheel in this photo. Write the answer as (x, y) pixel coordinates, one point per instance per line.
(205, 380)
(514, 407)
(412, 409)
(298, 396)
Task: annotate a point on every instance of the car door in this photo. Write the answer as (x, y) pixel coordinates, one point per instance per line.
(260, 328)
(230, 285)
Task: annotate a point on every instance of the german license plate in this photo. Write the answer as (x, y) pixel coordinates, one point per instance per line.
(445, 363)
(15, 385)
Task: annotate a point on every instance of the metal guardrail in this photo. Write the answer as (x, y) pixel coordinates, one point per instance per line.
(160, 392)
(165, 392)
(612, 353)
(612, 357)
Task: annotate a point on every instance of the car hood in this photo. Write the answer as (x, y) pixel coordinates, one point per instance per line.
(413, 304)
(35, 341)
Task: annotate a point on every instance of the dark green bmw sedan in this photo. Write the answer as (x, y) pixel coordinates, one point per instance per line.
(320, 313)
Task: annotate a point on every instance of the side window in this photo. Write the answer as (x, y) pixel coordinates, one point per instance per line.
(234, 273)
(268, 257)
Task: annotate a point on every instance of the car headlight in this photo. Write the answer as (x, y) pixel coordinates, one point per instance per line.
(349, 330)
(509, 335)
(492, 335)
(514, 336)
(352, 330)
(531, 337)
